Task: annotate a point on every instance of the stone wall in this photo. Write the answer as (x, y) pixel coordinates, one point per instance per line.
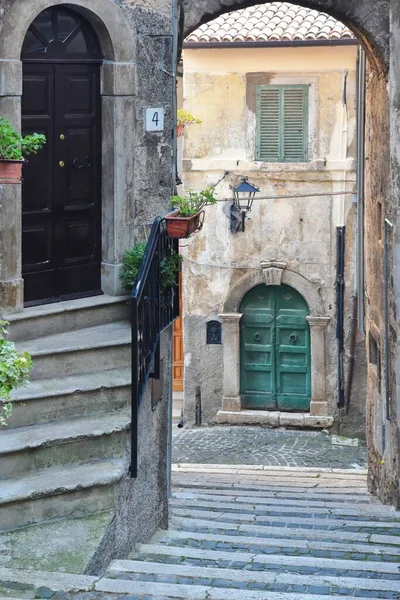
(136, 39)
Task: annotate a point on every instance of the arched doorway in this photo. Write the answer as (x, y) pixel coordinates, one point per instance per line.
(275, 361)
(61, 194)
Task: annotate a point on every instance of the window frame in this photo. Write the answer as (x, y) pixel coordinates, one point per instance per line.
(306, 116)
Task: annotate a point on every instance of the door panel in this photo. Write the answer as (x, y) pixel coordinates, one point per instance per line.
(275, 350)
(61, 191)
(38, 259)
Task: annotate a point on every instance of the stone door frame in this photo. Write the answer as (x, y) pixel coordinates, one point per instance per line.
(118, 74)
(273, 273)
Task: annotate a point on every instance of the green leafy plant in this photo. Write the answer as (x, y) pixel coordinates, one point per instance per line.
(170, 267)
(14, 146)
(184, 117)
(131, 262)
(194, 202)
(14, 372)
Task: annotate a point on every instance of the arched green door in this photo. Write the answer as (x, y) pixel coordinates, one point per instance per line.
(275, 349)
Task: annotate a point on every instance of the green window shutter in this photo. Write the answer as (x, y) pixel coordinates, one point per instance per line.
(282, 123)
(295, 130)
(268, 116)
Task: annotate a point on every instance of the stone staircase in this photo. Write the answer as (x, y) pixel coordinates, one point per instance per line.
(65, 444)
(251, 533)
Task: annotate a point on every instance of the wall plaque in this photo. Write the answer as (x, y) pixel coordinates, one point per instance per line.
(214, 332)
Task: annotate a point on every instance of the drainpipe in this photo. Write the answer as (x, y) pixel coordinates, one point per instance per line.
(340, 249)
(358, 308)
(360, 283)
(388, 226)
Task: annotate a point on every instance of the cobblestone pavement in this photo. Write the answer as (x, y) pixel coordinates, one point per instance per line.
(253, 533)
(259, 446)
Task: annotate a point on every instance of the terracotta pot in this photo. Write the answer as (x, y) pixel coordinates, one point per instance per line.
(10, 171)
(180, 130)
(183, 227)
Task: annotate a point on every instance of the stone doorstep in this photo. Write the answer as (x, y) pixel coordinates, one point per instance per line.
(273, 419)
(63, 307)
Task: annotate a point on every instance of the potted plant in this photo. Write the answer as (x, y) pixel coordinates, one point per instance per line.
(184, 117)
(13, 148)
(188, 216)
(170, 267)
(14, 371)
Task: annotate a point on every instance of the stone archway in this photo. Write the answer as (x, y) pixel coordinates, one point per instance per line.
(275, 273)
(370, 26)
(118, 74)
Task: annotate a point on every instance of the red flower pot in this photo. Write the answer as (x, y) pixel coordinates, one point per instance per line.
(179, 130)
(10, 171)
(183, 227)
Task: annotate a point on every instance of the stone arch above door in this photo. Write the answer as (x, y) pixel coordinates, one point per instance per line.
(104, 15)
(118, 81)
(306, 288)
(274, 273)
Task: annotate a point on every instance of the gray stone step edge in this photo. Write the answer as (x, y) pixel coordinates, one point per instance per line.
(68, 583)
(71, 384)
(56, 346)
(48, 434)
(53, 482)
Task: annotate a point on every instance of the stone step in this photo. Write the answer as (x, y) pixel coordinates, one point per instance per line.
(274, 498)
(224, 578)
(73, 441)
(263, 507)
(71, 490)
(324, 531)
(89, 350)
(68, 583)
(44, 400)
(271, 561)
(59, 317)
(175, 538)
(181, 483)
(271, 485)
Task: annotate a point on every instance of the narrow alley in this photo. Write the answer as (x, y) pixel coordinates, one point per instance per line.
(251, 531)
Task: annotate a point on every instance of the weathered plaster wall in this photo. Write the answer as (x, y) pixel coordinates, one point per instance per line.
(298, 231)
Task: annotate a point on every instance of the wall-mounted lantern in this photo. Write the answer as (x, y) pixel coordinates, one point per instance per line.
(244, 194)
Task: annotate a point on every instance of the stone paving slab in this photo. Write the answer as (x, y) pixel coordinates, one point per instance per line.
(260, 446)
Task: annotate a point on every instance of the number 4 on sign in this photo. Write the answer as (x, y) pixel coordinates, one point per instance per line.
(154, 119)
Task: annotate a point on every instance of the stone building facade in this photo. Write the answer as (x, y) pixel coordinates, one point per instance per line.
(377, 26)
(114, 60)
(290, 235)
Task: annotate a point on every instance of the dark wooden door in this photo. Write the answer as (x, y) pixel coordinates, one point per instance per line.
(61, 195)
(275, 349)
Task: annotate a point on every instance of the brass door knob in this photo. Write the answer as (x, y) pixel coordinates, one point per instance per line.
(61, 163)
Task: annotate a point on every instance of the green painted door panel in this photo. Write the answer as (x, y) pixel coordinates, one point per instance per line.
(275, 350)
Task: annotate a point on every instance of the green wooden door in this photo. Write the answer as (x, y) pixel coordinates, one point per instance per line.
(275, 349)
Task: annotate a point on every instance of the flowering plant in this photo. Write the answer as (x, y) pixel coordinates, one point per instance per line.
(14, 372)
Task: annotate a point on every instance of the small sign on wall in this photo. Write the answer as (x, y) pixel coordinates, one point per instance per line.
(154, 119)
(214, 333)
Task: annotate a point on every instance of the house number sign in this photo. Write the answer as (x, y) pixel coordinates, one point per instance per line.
(214, 335)
(154, 119)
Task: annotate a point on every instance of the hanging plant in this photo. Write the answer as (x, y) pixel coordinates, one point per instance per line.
(183, 118)
(14, 372)
(188, 216)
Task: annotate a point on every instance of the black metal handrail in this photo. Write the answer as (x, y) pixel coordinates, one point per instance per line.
(152, 310)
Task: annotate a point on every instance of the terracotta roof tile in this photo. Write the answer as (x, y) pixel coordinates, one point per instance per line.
(274, 21)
